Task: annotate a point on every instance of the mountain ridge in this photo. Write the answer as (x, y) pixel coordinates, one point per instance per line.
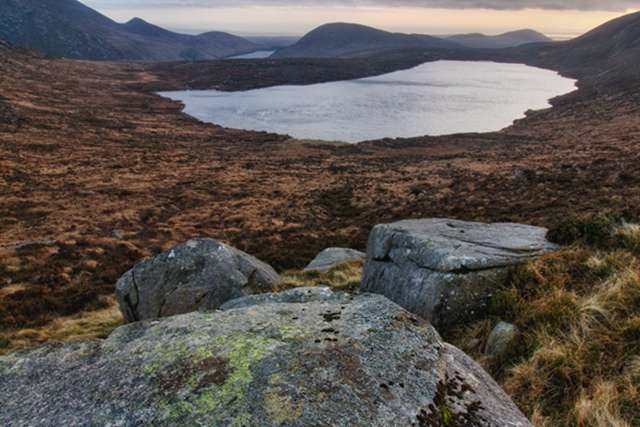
(341, 39)
(68, 28)
(504, 40)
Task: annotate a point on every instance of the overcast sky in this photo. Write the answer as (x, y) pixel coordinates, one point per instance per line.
(280, 17)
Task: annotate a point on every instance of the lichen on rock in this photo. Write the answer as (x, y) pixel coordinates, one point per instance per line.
(364, 361)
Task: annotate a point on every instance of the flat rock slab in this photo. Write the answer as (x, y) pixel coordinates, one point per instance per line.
(333, 257)
(445, 270)
(363, 362)
(297, 295)
(201, 274)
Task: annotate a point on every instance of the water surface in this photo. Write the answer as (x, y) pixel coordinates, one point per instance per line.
(436, 98)
(254, 55)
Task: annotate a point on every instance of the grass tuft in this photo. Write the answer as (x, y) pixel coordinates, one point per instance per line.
(577, 362)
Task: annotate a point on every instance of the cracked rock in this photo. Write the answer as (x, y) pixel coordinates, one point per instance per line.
(201, 274)
(446, 270)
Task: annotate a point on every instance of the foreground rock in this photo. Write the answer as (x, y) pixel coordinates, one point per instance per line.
(333, 257)
(446, 270)
(200, 274)
(364, 362)
(297, 295)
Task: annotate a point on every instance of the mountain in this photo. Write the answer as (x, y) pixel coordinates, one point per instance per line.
(605, 55)
(351, 40)
(67, 28)
(510, 39)
(612, 46)
(273, 43)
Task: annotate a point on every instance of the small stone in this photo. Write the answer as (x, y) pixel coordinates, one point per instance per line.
(333, 257)
(501, 339)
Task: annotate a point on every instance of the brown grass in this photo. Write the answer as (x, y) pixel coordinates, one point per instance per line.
(86, 325)
(577, 361)
(344, 277)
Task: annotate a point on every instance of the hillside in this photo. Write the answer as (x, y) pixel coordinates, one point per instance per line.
(604, 57)
(67, 28)
(510, 39)
(350, 40)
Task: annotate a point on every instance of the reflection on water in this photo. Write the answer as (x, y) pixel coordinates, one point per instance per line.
(432, 99)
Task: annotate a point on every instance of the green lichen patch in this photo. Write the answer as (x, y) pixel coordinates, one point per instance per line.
(282, 408)
(215, 380)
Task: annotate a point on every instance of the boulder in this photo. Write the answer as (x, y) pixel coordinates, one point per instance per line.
(332, 257)
(501, 339)
(201, 274)
(363, 362)
(446, 270)
(297, 295)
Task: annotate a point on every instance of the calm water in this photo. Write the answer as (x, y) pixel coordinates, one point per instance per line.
(254, 55)
(433, 99)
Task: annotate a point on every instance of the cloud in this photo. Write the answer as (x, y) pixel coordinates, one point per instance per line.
(604, 5)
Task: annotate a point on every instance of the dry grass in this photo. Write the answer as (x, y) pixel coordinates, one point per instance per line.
(100, 323)
(86, 325)
(577, 362)
(344, 277)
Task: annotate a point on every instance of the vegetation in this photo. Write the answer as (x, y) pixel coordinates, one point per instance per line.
(100, 318)
(344, 277)
(577, 359)
(90, 324)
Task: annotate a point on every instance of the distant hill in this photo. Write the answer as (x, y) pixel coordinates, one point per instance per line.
(67, 28)
(510, 39)
(273, 43)
(609, 53)
(351, 40)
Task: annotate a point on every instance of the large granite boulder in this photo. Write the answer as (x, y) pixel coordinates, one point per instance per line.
(363, 362)
(201, 274)
(332, 257)
(446, 270)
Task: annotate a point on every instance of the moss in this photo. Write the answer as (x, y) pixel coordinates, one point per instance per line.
(451, 392)
(242, 420)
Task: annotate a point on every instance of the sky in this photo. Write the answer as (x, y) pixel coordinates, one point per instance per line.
(556, 18)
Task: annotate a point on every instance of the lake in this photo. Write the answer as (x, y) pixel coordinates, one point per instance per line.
(259, 54)
(436, 98)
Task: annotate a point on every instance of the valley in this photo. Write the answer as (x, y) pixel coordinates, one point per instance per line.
(116, 206)
(96, 167)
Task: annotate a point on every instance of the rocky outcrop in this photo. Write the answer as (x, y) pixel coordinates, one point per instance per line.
(201, 274)
(333, 257)
(446, 270)
(363, 362)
